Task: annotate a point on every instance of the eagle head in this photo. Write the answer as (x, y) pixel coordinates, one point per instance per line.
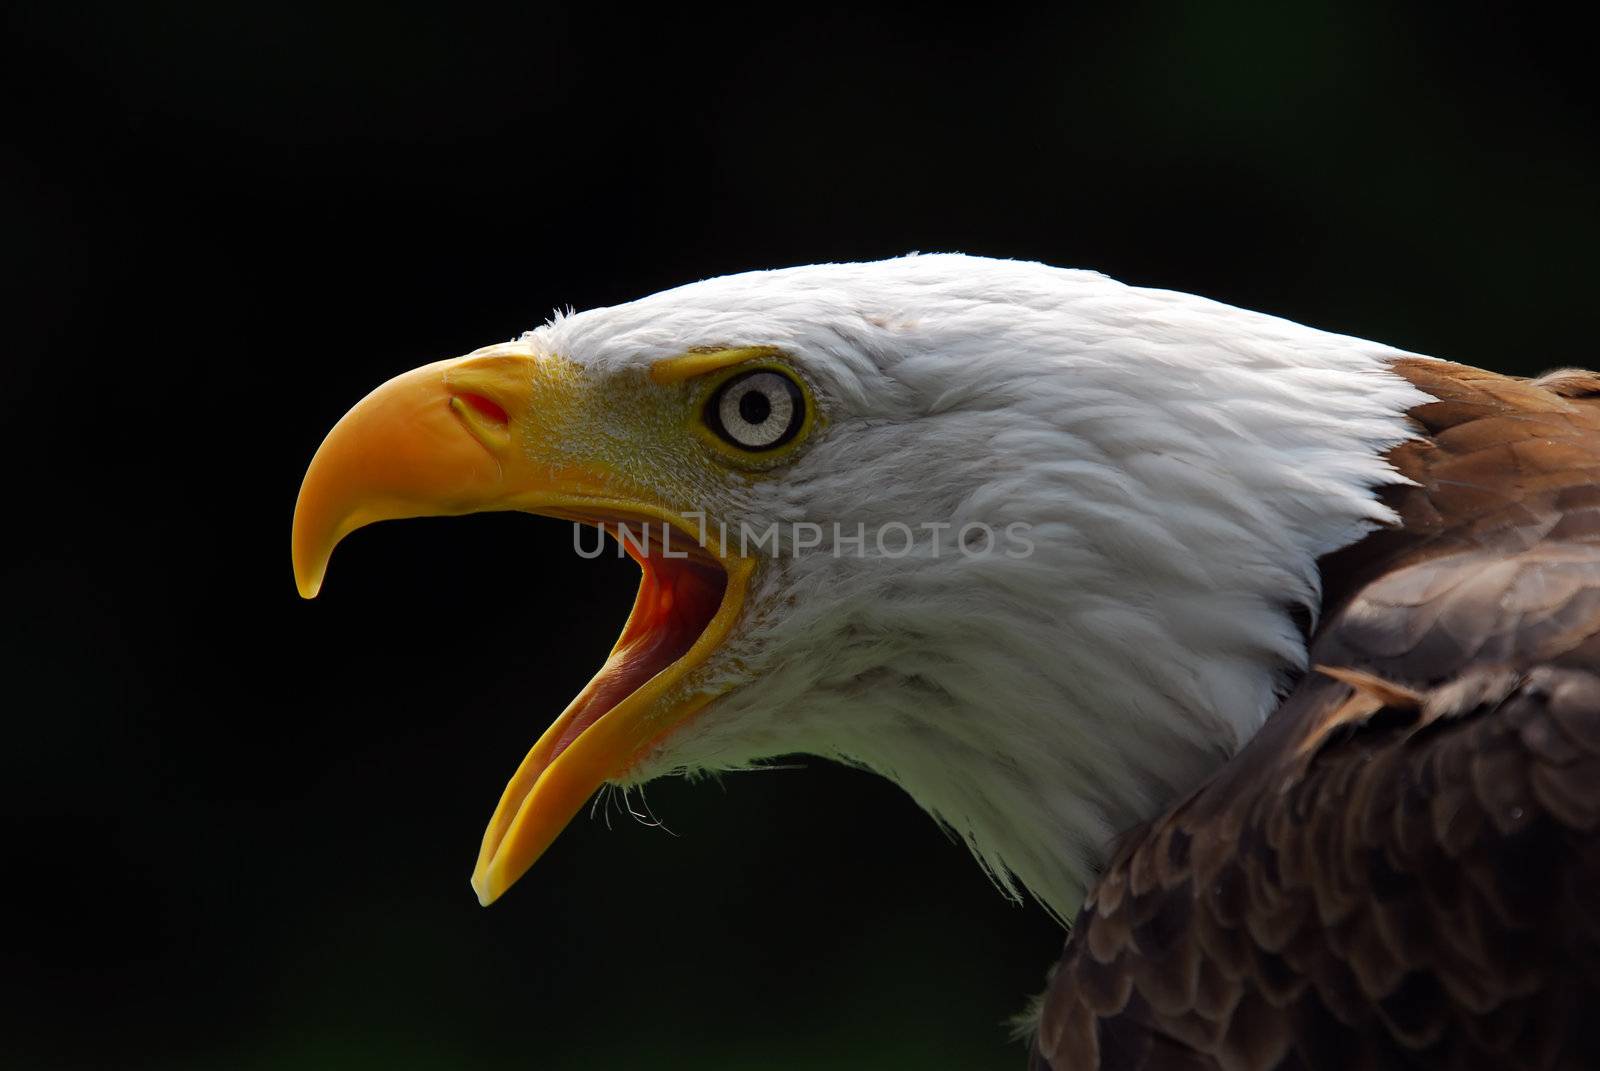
(1025, 540)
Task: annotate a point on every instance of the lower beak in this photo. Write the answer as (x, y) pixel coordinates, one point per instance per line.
(481, 433)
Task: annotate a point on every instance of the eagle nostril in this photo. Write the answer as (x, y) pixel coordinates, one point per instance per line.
(485, 407)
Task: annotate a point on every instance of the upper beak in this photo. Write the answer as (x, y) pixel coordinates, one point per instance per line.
(485, 432)
(436, 441)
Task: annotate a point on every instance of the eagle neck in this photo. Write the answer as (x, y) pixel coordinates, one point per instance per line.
(1177, 520)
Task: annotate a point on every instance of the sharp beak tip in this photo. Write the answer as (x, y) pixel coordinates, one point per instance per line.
(487, 894)
(308, 574)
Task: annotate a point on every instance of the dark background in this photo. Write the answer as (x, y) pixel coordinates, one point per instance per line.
(238, 827)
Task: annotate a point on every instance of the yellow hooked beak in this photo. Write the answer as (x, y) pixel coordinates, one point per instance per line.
(489, 432)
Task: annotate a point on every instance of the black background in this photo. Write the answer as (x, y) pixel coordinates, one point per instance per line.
(238, 827)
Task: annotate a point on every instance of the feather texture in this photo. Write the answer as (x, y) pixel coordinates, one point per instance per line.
(1178, 465)
(1401, 869)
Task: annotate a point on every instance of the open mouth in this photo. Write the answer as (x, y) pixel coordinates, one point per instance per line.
(687, 601)
(486, 432)
(679, 593)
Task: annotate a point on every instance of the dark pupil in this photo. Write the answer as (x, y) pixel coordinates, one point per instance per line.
(754, 407)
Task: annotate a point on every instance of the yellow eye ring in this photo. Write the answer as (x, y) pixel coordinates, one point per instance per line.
(757, 410)
(756, 413)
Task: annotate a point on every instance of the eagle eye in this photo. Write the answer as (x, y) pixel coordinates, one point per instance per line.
(758, 410)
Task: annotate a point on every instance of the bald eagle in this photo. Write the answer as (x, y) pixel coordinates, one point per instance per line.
(1269, 657)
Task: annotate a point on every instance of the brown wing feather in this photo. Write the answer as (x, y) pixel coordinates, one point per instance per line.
(1402, 869)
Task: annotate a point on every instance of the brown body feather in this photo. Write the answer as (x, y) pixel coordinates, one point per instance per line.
(1402, 869)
